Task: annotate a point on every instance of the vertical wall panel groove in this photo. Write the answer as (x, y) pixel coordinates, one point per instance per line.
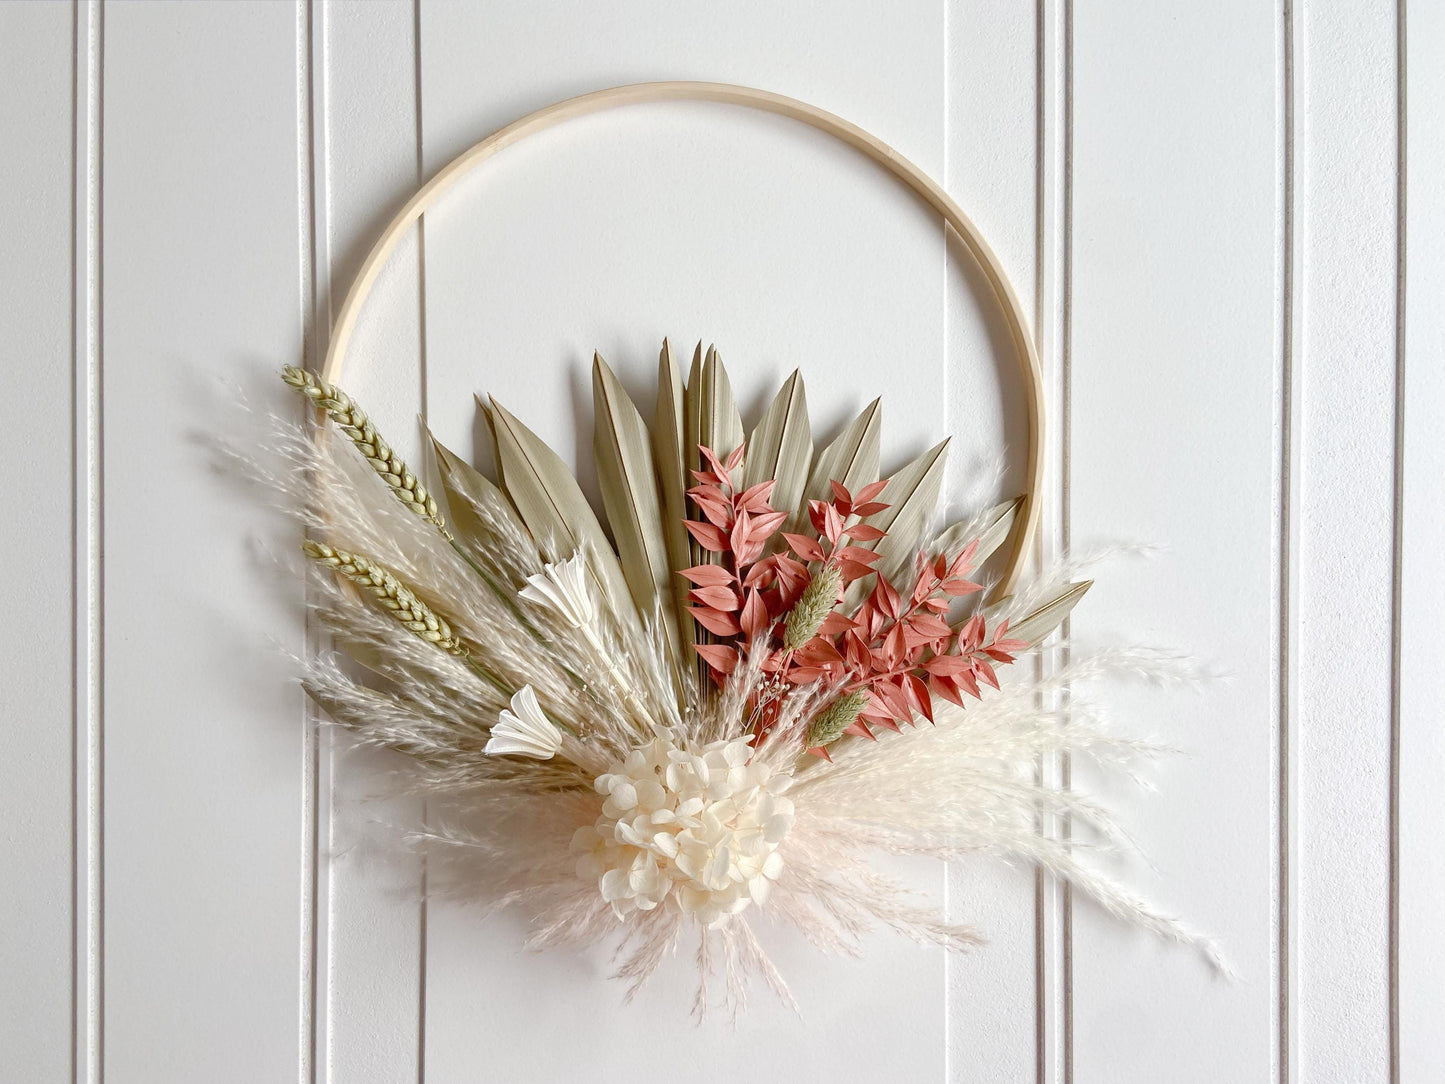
(1066, 498)
(372, 912)
(1042, 70)
(1397, 542)
(418, 113)
(1286, 574)
(943, 366)
(44, 541)
(78, 536)
(1053, 943)
(90, 608)
(311, 1043)
(1420, 689)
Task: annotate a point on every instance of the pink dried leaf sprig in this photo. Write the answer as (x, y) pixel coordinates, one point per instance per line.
(887, 660)
(784, 600)
(741, 597)
(899, 655)
(839, 525)
(902, 654)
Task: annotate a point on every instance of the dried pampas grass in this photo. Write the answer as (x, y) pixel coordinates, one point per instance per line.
(648, 738)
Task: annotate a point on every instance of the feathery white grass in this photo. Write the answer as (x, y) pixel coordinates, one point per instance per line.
(502, 825)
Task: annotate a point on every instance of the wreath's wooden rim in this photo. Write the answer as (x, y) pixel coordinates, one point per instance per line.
(919, 182)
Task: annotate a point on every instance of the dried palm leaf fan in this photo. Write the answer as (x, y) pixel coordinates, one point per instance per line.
(766, 674)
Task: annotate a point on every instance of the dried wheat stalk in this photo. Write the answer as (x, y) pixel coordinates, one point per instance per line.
(352, 421)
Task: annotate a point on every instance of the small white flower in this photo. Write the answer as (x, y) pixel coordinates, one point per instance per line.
(524, 731)
(562, 587)
(698, 830)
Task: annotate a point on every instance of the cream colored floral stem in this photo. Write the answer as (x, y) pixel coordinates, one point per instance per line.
(618, 680)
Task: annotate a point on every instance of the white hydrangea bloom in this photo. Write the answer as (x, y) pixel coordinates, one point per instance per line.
(697, 829)
(562, 587)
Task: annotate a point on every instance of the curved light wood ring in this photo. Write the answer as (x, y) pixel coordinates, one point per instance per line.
(920, 183)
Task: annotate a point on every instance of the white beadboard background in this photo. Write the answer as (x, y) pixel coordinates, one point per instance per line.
(1226, 221)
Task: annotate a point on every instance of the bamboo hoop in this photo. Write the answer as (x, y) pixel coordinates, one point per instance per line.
(914, 178)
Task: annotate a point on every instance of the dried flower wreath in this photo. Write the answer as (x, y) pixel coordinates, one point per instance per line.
(770, 670)
(758, 681)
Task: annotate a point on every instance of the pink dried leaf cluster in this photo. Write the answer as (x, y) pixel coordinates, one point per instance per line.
(896, 647)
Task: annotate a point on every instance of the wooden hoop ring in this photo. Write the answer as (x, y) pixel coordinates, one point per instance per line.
(918, 181)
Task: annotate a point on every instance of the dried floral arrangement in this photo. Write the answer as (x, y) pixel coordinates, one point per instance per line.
(767, 670)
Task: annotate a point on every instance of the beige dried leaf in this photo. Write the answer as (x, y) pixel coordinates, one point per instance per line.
(1035, 626)
(626, 476)
(852, 459)
(712, 419)
(465, 488)
(991, 529)
(668, 454)
(490, 424)
(712, 416)
(552, 506)
(781, 447)
(912, 498)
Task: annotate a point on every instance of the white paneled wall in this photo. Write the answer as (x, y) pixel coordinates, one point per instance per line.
(201, 778)
(38, 421)
(1171, 323)
(1226, 222)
